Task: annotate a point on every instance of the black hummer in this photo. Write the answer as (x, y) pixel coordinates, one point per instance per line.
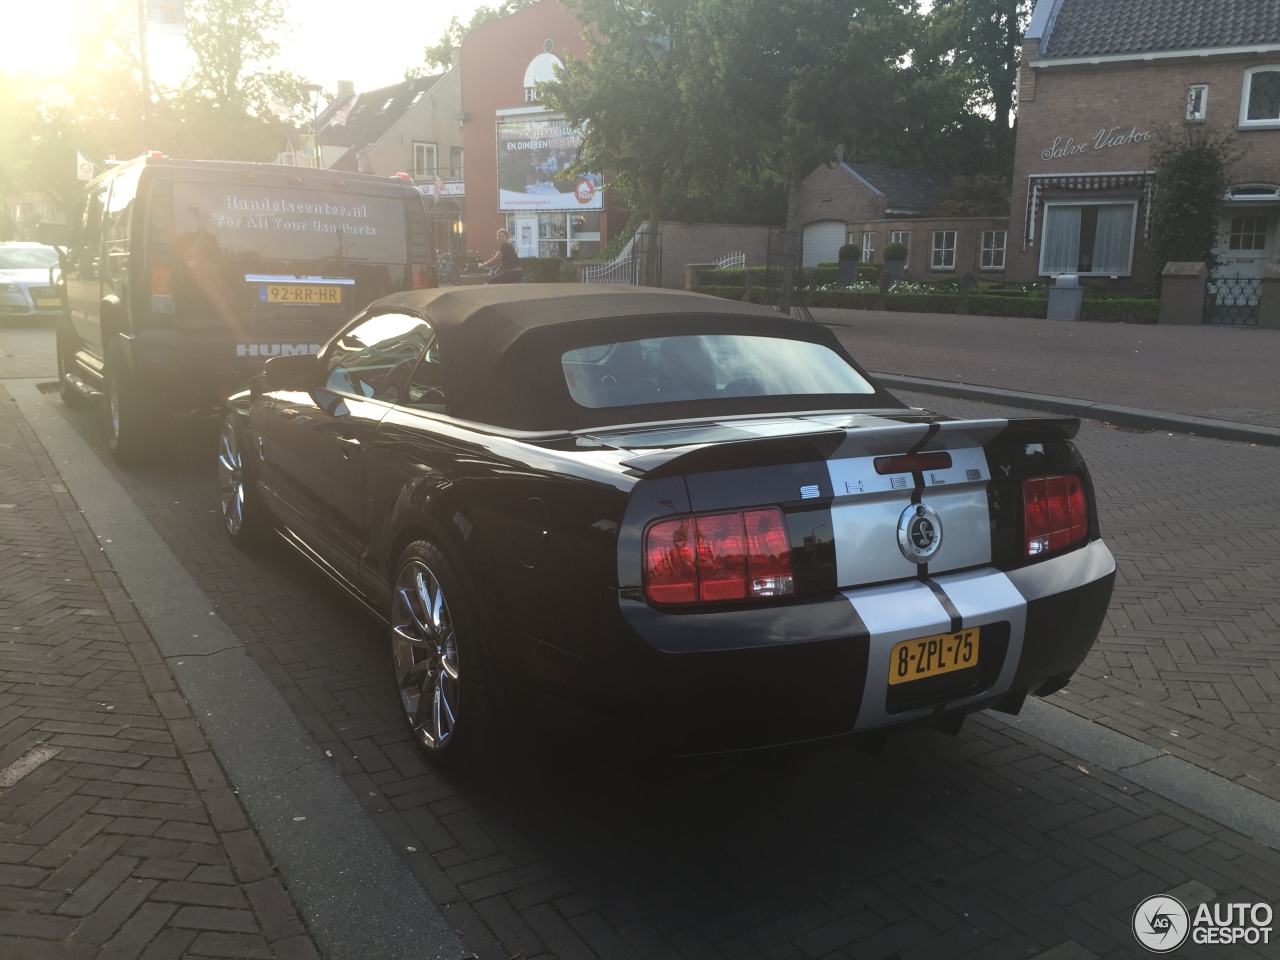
(182, 276)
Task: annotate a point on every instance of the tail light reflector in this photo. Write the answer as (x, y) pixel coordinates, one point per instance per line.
(718, 557)
(421, 277)
(161, 280)
(1055, 513)
(670, 573)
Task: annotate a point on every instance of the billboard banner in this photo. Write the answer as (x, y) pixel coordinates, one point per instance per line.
(532, 158)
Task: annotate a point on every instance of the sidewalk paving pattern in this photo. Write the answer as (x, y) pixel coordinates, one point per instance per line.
(119, 836)
(989, 844)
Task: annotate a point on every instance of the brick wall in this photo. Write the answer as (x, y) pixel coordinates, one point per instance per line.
(684, 243)
(833, 193)
(493, 61)
(1077, 103)
(968, 231)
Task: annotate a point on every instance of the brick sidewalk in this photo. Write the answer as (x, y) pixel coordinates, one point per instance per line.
(119, 835)
(1227, 373)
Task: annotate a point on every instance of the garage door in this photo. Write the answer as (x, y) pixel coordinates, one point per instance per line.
(822, 242)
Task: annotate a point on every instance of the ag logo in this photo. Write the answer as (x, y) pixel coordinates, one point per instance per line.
(1161, 924)
(919, 533)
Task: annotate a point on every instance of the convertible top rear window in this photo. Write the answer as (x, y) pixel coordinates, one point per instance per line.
(708, 367)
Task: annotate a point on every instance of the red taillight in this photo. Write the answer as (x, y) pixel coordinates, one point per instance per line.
(722, 562)
(161, 280)
(1055, 513)
(670, 573)
(421, 278)
(723, 556)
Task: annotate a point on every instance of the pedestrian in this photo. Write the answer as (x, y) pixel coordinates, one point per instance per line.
(507, 259)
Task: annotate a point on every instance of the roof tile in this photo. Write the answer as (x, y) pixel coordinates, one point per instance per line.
(1117, 27)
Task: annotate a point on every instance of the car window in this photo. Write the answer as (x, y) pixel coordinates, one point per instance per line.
(426, 387)
(668, 369)
(375, 358)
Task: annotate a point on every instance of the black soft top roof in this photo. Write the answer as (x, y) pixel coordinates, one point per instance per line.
(501, 347)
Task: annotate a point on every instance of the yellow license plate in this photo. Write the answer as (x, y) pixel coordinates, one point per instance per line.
(302, 293)
(933, 656)
(48, 302)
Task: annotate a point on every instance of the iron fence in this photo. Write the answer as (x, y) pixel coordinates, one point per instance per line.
(1232, 300)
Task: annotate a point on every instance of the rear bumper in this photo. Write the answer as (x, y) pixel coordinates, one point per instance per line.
(807, 671)
(197, 371)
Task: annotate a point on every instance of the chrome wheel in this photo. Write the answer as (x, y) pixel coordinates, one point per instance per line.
(425, 653)
(230, 478)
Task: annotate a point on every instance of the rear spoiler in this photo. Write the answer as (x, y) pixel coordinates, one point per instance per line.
(882, 439)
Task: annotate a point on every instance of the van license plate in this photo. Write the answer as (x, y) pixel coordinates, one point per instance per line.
(933, 656)
(299, 293)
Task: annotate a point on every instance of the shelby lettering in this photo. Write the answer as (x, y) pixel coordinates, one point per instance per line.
(1106, 137)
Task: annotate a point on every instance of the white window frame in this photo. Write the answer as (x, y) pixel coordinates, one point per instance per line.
(456, 160)
(935, 249)
(1197, 102)
(1133, 234)
(421, 172)
(868, 246)
(1246, 92)
(993, 248)
(903, 237)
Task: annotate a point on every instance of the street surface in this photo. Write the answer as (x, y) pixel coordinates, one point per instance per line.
(989, 844)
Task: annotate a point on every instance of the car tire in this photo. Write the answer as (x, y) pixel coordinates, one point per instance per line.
(244, 516)
(70, 395)
(438, 658)
(133, 433)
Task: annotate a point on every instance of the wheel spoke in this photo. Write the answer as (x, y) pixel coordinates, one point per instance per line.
(417, 621)
(444, 702)
(414, 676)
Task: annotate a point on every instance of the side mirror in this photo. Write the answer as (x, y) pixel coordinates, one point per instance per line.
(53, 234)
(297, 372)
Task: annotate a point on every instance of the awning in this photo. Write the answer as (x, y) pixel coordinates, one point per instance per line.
(1138, 179)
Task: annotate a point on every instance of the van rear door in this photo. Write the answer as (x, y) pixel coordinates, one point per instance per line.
(256, 262)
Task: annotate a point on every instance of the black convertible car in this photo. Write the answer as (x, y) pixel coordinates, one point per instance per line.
(693, 513)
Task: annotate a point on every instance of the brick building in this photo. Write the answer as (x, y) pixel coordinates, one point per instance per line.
(516, 148)
(873, 206)
(1100, 80)
(407, 127)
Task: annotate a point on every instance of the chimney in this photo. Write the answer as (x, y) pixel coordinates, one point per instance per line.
(839, 153)
(346, 89)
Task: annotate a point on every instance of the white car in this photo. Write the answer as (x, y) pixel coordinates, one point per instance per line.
(24, 280)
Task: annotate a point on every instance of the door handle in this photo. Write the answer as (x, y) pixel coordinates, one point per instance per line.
(350, 446)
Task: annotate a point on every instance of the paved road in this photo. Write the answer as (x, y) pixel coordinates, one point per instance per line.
(1210, 371)
(991, 843)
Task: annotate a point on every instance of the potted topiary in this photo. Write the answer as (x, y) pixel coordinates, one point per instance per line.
(849, 255)
(895, 260)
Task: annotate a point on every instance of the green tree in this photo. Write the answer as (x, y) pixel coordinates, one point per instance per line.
(635, 97)
(1193, 170)
(796, 78)
(985, 37)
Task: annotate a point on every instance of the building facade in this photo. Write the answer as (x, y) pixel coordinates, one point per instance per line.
(408, 127)
(517, 150)
(1101, 82)
(872, 206)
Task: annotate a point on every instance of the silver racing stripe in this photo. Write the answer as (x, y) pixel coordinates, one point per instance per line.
(904, 611)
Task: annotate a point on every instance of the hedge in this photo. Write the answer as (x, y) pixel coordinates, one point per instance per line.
(542, 269)
(1133, 310)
